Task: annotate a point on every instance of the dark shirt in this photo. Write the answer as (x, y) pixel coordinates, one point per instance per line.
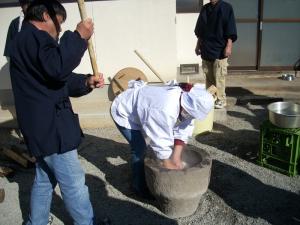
(42, 81)
(11, 33)
(215, 25)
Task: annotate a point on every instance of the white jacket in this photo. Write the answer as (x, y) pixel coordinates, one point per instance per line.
(153, 110)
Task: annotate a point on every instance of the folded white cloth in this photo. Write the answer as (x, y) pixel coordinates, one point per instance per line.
(197, 102)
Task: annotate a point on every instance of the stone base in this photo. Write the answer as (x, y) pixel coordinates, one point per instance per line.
(178, 192)
(177, 208)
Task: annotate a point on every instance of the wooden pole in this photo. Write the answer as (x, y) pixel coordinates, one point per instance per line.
(83, 16)
(149, 66)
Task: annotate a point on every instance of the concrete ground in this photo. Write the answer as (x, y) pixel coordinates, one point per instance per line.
(256, 86)
(259, 87)
(240, 191)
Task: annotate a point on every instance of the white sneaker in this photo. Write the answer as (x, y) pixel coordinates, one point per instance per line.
(219, 104)
(50, 220)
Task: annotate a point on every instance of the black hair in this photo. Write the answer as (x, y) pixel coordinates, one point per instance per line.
(38, 7)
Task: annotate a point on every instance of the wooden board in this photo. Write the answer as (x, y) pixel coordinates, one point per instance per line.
(18, 156)
(23, 152)
(2, 195)
(15, 156)
(119, 83)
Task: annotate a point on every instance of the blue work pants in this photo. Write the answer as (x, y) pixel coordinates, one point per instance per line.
(64, 170)
(138, 147)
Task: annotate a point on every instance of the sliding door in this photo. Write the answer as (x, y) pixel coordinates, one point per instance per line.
(280, 34)
(244, 53)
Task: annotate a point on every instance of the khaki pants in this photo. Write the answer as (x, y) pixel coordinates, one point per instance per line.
(214, 72)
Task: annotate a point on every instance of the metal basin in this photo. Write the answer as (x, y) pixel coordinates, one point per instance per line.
(284, 114)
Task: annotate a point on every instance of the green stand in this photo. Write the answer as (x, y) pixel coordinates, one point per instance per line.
(279, 148)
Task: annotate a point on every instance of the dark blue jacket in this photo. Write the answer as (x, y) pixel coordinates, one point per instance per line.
(215, 25)
(42, 81)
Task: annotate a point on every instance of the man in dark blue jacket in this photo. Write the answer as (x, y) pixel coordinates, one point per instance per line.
(42, 81)
(216, 31)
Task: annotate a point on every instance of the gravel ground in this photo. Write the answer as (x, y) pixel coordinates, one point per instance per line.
(240, 191)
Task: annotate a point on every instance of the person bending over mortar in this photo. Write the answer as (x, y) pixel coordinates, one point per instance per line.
(165, 115)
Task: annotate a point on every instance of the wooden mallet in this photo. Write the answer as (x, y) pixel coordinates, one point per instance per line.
(83, 16)
(149, 66)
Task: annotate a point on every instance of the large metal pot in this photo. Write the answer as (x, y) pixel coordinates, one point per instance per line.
(284, 114)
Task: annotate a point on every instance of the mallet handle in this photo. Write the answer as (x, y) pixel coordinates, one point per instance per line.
(83, 16)
(148, 64)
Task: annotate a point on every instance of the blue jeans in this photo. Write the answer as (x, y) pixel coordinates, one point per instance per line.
(138, 146)
(65, 170)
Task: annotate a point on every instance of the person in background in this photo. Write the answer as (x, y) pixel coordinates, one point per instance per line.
(16, 25)
(165, 115)
(42, 82)
(216, 31)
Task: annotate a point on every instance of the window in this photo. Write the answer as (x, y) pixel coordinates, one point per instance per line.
(9, 3)
(188, 6)
(13, 3)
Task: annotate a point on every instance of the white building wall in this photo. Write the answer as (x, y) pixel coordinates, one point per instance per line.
(120, 28)
(6, 15)
(164, 38)
(186, 39)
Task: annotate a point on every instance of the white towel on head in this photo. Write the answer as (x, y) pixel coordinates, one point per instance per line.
(197, 102)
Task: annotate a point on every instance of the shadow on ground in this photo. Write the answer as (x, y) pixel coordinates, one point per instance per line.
(252, 198)
(244, 96)
(121, 212)
(241, 142)
(112, 158)
(24, 177)
(100, 152)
